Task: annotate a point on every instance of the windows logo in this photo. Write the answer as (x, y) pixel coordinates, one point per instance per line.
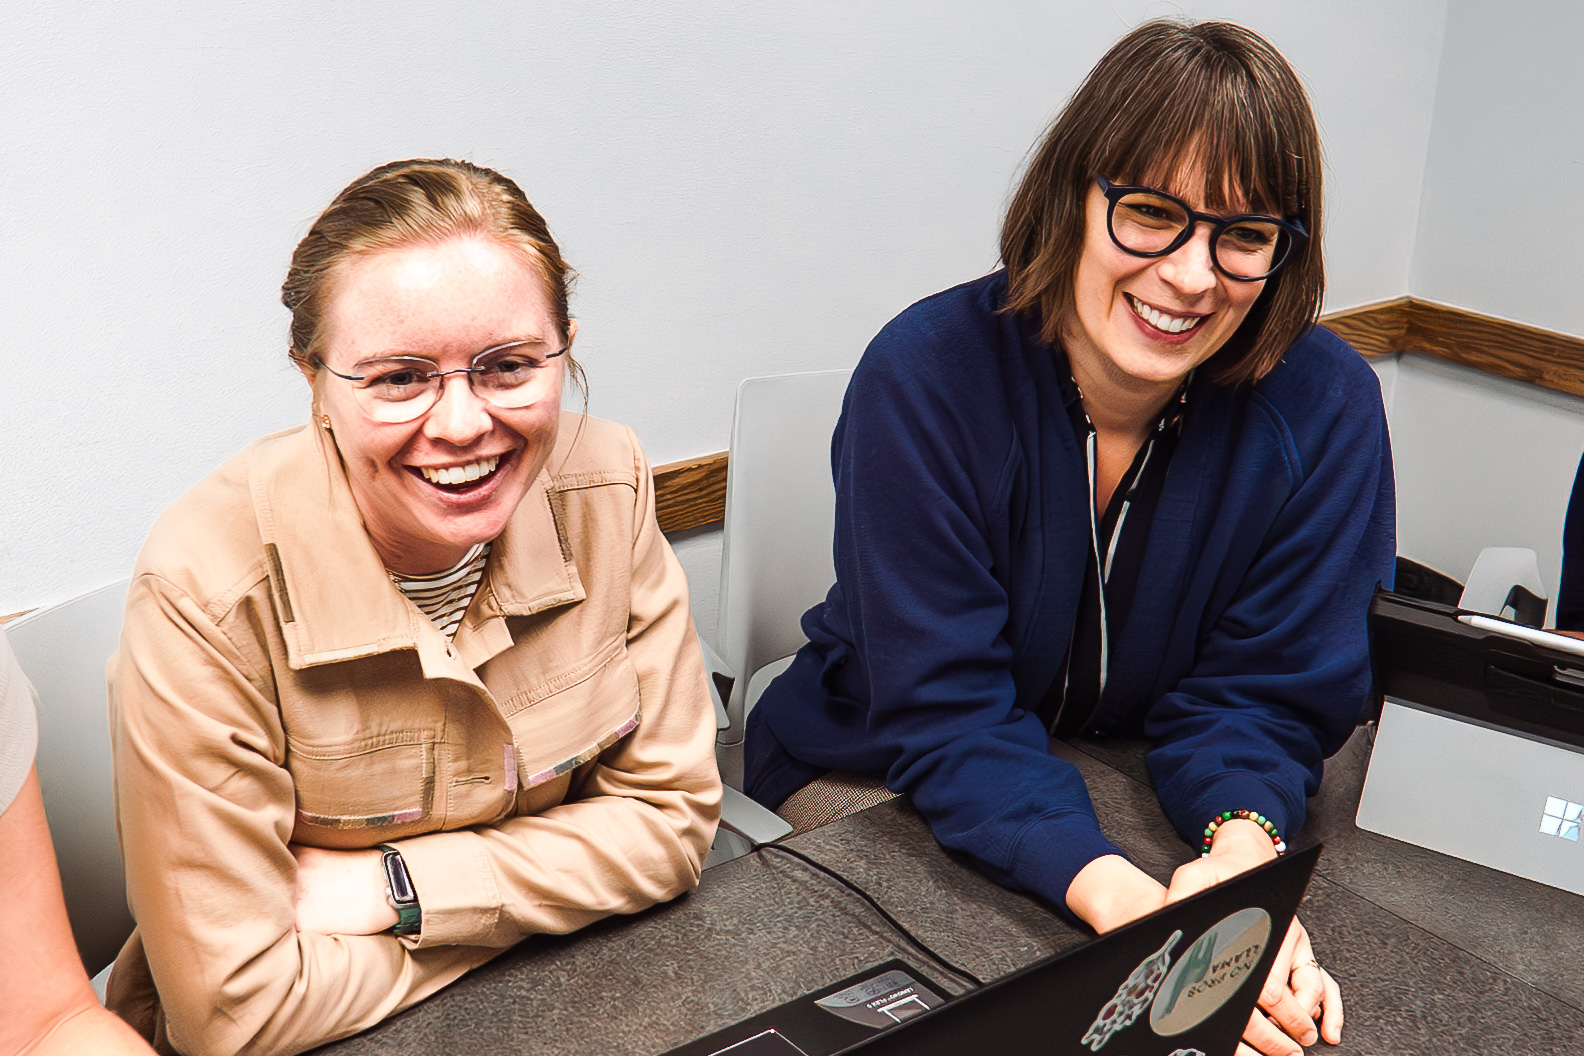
(1561, 818)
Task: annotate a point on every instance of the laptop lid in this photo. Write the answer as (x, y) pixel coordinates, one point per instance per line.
(1494, 796)
(1178, 982)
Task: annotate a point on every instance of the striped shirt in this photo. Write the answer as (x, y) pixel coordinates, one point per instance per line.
(445, 596)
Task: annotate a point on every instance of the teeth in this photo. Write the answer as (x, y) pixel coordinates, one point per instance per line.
(460, 474)
(1160, 320)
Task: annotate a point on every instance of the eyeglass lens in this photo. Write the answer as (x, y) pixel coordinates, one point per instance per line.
(399, 390)
(1151, 223)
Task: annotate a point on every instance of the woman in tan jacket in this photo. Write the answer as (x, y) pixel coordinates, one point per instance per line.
(404, 686)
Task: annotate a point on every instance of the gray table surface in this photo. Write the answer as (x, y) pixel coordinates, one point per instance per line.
(1434, 955)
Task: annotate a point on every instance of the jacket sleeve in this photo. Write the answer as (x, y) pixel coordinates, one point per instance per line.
(205, 809)
(638, 820)
(922, 471)
(1280, 677)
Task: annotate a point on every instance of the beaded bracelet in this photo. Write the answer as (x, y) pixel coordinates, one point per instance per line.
(1247, 815)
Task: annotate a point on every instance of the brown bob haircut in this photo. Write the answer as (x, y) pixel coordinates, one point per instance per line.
(1169, 95)
(417, 202)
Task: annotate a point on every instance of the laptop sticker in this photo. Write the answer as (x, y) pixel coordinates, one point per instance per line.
(883, 1001)
(1214, 968)
(1132, 997)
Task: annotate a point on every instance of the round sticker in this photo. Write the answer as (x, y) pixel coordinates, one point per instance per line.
(1210, 972)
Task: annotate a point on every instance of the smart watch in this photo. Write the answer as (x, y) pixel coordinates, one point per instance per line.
(399, 892)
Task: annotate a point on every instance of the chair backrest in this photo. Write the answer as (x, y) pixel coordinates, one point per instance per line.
(63, 649)
(780, 509)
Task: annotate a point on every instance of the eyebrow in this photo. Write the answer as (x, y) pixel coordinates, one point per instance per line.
(385, 357)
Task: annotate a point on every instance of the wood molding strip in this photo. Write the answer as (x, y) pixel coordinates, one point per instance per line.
(1373, 329)
(1507, 349)
(690, 493)
(1497, 346)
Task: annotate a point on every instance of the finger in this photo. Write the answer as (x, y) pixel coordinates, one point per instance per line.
(1263, 1036)
(1331, 1023)
(1286, 1013)
(1307, 983)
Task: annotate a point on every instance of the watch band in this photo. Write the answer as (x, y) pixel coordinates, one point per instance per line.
(399, 892)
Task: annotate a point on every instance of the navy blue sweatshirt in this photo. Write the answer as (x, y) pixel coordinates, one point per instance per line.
(962, 534)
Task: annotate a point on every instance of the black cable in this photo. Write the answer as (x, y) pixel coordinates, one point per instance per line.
(917, 942)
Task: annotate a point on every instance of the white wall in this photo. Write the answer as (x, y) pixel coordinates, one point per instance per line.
(1480, 461)
(746, 188)
(1500, 229)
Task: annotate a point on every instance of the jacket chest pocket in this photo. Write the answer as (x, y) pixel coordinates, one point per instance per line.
(360, 792)
(573, 718)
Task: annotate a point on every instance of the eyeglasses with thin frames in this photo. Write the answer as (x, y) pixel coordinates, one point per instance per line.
(1245, 248)
(401, 388)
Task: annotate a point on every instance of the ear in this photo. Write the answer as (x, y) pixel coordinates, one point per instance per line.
(305, 368)
(571, 332)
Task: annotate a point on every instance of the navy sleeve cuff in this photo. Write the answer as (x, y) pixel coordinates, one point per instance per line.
(1052, 850)
(1235, 791)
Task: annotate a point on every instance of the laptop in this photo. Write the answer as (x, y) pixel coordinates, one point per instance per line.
(1180, 982)
(1479, 752)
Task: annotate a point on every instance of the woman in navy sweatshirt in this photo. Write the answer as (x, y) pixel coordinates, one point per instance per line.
(1123, 487)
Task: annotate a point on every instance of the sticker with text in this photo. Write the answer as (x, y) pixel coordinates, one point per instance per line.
(883, 1001)
(1214, 968)
(1132, 997)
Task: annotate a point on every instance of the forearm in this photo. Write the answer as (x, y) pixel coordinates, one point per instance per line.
(88, 1029)
(1111, 891)
(557, 871)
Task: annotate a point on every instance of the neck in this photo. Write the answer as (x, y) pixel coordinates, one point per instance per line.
(1117, 403)
(424, 560)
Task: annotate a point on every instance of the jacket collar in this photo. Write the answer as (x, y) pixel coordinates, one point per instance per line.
(332, 595)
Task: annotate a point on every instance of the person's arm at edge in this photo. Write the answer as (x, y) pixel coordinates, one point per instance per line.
(47, 1007)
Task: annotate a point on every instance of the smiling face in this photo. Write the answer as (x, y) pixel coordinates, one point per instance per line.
(1141, 324)
(446, 302)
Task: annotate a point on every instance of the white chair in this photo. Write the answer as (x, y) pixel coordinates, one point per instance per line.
(1505, 582)
(780, 515)
(63, 649)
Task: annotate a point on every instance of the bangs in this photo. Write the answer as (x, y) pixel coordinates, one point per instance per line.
(1207, 123)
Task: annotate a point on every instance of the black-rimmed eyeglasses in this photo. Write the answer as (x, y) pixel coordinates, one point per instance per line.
(1150, 223)
(402, 388)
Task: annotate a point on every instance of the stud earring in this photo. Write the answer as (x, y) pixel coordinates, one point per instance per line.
(324, 422)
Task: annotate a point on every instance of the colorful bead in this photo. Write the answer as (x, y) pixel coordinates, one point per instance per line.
(1247, 815)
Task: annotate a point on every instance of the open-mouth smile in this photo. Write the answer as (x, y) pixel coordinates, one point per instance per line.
(1166, 324)
(460, 479)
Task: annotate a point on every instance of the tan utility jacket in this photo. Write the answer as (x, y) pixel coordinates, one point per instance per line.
(553, 766)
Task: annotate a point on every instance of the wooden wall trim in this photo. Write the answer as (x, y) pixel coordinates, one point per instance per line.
(1507, 349)
(690, 493)
(1374, 329)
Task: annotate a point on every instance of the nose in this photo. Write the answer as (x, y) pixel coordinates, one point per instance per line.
(1190, 269)
(459, 417)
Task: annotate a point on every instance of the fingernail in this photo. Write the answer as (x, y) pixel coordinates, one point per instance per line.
(1310, 1036)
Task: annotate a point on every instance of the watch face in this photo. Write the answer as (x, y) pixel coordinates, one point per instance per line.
(401, 888)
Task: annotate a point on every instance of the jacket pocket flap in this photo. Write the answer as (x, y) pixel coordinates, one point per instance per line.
(562, 731)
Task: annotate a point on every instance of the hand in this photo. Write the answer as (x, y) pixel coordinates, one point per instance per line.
(341, 892)
(1111, 891)
(1238, 846)
(1295, 993)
